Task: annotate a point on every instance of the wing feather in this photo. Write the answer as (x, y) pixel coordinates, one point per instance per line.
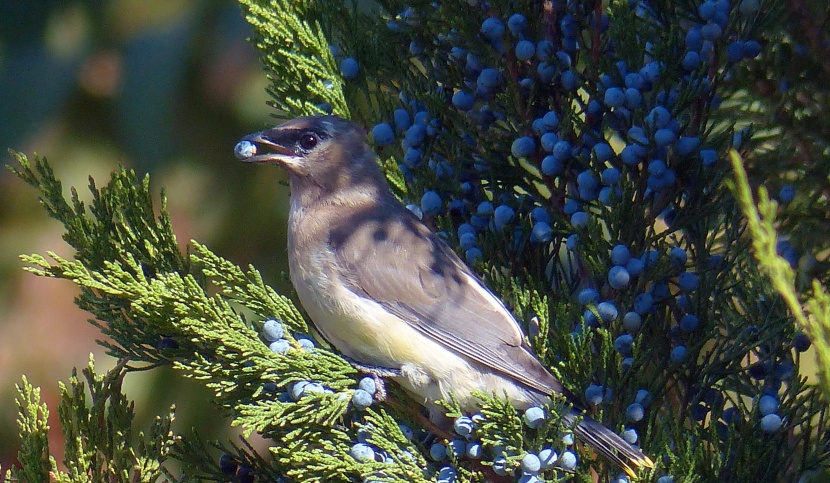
(390, 256)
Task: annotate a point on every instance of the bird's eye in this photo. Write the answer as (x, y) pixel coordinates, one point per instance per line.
(308, 141)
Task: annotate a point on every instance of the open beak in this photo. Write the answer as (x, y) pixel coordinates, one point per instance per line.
(254, 148)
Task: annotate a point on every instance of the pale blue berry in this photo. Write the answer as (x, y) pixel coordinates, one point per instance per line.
(488, 79)
(635, 266)
(686, 145)
(548, 457)
(485, 208)
(541, 233)
(544, 49)
(624, 344)
(708, 157)
(548, 141)
(579, 219)
(691, 61)
(569, 80)
(607, 311)
(594, 395)
(614, 97)
(620, 255)
(467, 241)
(502, 215)
(297, 389)
(474, 450)
(382, 134)
(568, 461)
(368, 384)
(618, 277)
(688, 281)
(473, 255)
(678, 354)
(588, 296)
(447, 474)
(500, 466)
(768, 404)
(523, 147)
(416, 210)
(635, 412)
(552, 166)
(658, 118)
(540, 214)
(306, 343)
(611, 176)
(678, 257)
(272, 330)
(463, 426)
(457, 447)
(431, 203)
(787, 193)
(551, 120)
(572, 241)
(632, 321)
(406, 431)
(244, 149)
(525, 50)
(771, 423)
(689, 322)
(401, 119)
(463, 100)
(492, 28)
(349, 68)
(280, 346)
(630, 436)
(587, 180)
(517, 23)
(531, 464)
(643, 303)
(412, 158)
(664, 137)
(438, 452)
(534, 417)
(362, 399)
(363, 453)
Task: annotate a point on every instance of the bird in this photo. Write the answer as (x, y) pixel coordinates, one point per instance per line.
(387, 292)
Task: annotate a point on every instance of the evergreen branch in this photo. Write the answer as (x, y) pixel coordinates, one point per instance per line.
(33, 426)
(296, 54)
(248, 288)
(760, 221)
(98, 436)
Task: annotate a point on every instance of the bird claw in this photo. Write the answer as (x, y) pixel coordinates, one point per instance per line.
(378, 373)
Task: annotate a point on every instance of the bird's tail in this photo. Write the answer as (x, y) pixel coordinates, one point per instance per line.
(609, 444)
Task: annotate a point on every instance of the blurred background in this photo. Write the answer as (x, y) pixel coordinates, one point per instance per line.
(165, 87)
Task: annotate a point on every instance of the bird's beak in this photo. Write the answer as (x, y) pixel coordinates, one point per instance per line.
(255, 148)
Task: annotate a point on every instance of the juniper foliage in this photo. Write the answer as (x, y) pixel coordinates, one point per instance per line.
(550, 139)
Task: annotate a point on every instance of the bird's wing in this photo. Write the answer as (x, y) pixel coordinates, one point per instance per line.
(389, 256)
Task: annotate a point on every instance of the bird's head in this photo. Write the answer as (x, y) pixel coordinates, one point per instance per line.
(327, 151)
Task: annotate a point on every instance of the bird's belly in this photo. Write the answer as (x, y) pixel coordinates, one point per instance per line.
(358, 327)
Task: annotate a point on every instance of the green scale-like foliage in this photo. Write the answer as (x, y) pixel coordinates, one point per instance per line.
(202, 314)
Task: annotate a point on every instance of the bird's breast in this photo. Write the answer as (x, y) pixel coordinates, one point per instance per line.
(358, 327)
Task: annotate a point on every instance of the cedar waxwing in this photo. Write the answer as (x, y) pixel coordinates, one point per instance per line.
(388, 293)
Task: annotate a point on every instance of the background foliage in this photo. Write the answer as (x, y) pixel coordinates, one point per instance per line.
(614, 131)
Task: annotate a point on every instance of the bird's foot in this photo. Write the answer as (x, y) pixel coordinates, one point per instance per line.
(378, 373)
